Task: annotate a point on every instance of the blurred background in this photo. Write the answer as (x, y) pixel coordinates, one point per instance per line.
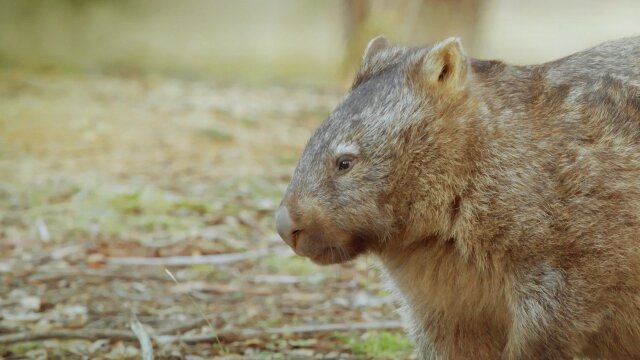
(141, 139)
(290, 41)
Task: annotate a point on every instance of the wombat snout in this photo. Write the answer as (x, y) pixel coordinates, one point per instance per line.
(308, 234)
(286, 227)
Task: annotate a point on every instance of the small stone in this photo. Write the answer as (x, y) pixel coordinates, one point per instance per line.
(31, 303)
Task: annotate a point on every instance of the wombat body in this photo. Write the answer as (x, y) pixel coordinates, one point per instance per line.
(503, 201)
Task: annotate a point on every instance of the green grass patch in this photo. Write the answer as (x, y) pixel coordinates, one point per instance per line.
(154, 222)
(248, 121)
(246, 188)
(294, 265)
(192, 206)
(128, 203)
(155, 201)
(378, 344)
(215, 134)
(148, 201)
(287, 157)
(207, 272)
(23, 348)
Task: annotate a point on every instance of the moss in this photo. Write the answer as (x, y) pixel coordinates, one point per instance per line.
(247, 121)
(154, 201)
(378, 344)
(215, 134)
(127, 203)
(294, 265)
(23, 348)
(192, 206)
(287, 158)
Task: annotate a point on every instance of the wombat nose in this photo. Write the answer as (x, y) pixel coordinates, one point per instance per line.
(285, 226)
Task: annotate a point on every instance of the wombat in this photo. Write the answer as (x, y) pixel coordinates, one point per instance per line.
(502, 201)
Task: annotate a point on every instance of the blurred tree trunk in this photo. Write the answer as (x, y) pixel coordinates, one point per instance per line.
(445, 18)
(409, 22)
(355, 16)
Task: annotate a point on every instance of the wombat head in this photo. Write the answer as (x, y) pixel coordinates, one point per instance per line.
(385, 164)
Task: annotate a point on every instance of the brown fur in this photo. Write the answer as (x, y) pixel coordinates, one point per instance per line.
(502, 201)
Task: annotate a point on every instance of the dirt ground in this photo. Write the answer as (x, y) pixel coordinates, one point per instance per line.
(147, 203)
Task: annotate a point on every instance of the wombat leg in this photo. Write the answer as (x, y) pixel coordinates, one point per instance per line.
(552, 314)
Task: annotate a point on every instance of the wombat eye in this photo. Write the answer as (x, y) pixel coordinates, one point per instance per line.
(345, 163)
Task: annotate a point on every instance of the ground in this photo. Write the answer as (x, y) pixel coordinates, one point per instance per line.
(120, 198)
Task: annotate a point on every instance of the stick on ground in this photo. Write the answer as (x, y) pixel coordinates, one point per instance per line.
(146, 348)
(217, 259)
(85, 334)
(224, 336)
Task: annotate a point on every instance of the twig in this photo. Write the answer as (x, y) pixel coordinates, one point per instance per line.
(86, 334)
(224, 335)
(235, 335)
(287, 279)
(182, 328)
(43, 231)
(143, 337)
(217, 259)
(57, 274)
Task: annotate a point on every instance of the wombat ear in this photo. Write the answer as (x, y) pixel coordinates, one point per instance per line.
(446, 64)
(375, 46)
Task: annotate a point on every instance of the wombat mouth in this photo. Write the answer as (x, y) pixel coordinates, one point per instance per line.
(333, 255)
(341, 254)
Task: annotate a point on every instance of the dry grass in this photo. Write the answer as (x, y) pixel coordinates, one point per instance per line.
(93, 167)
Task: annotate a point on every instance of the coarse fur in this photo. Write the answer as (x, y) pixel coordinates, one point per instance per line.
(503, 201)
